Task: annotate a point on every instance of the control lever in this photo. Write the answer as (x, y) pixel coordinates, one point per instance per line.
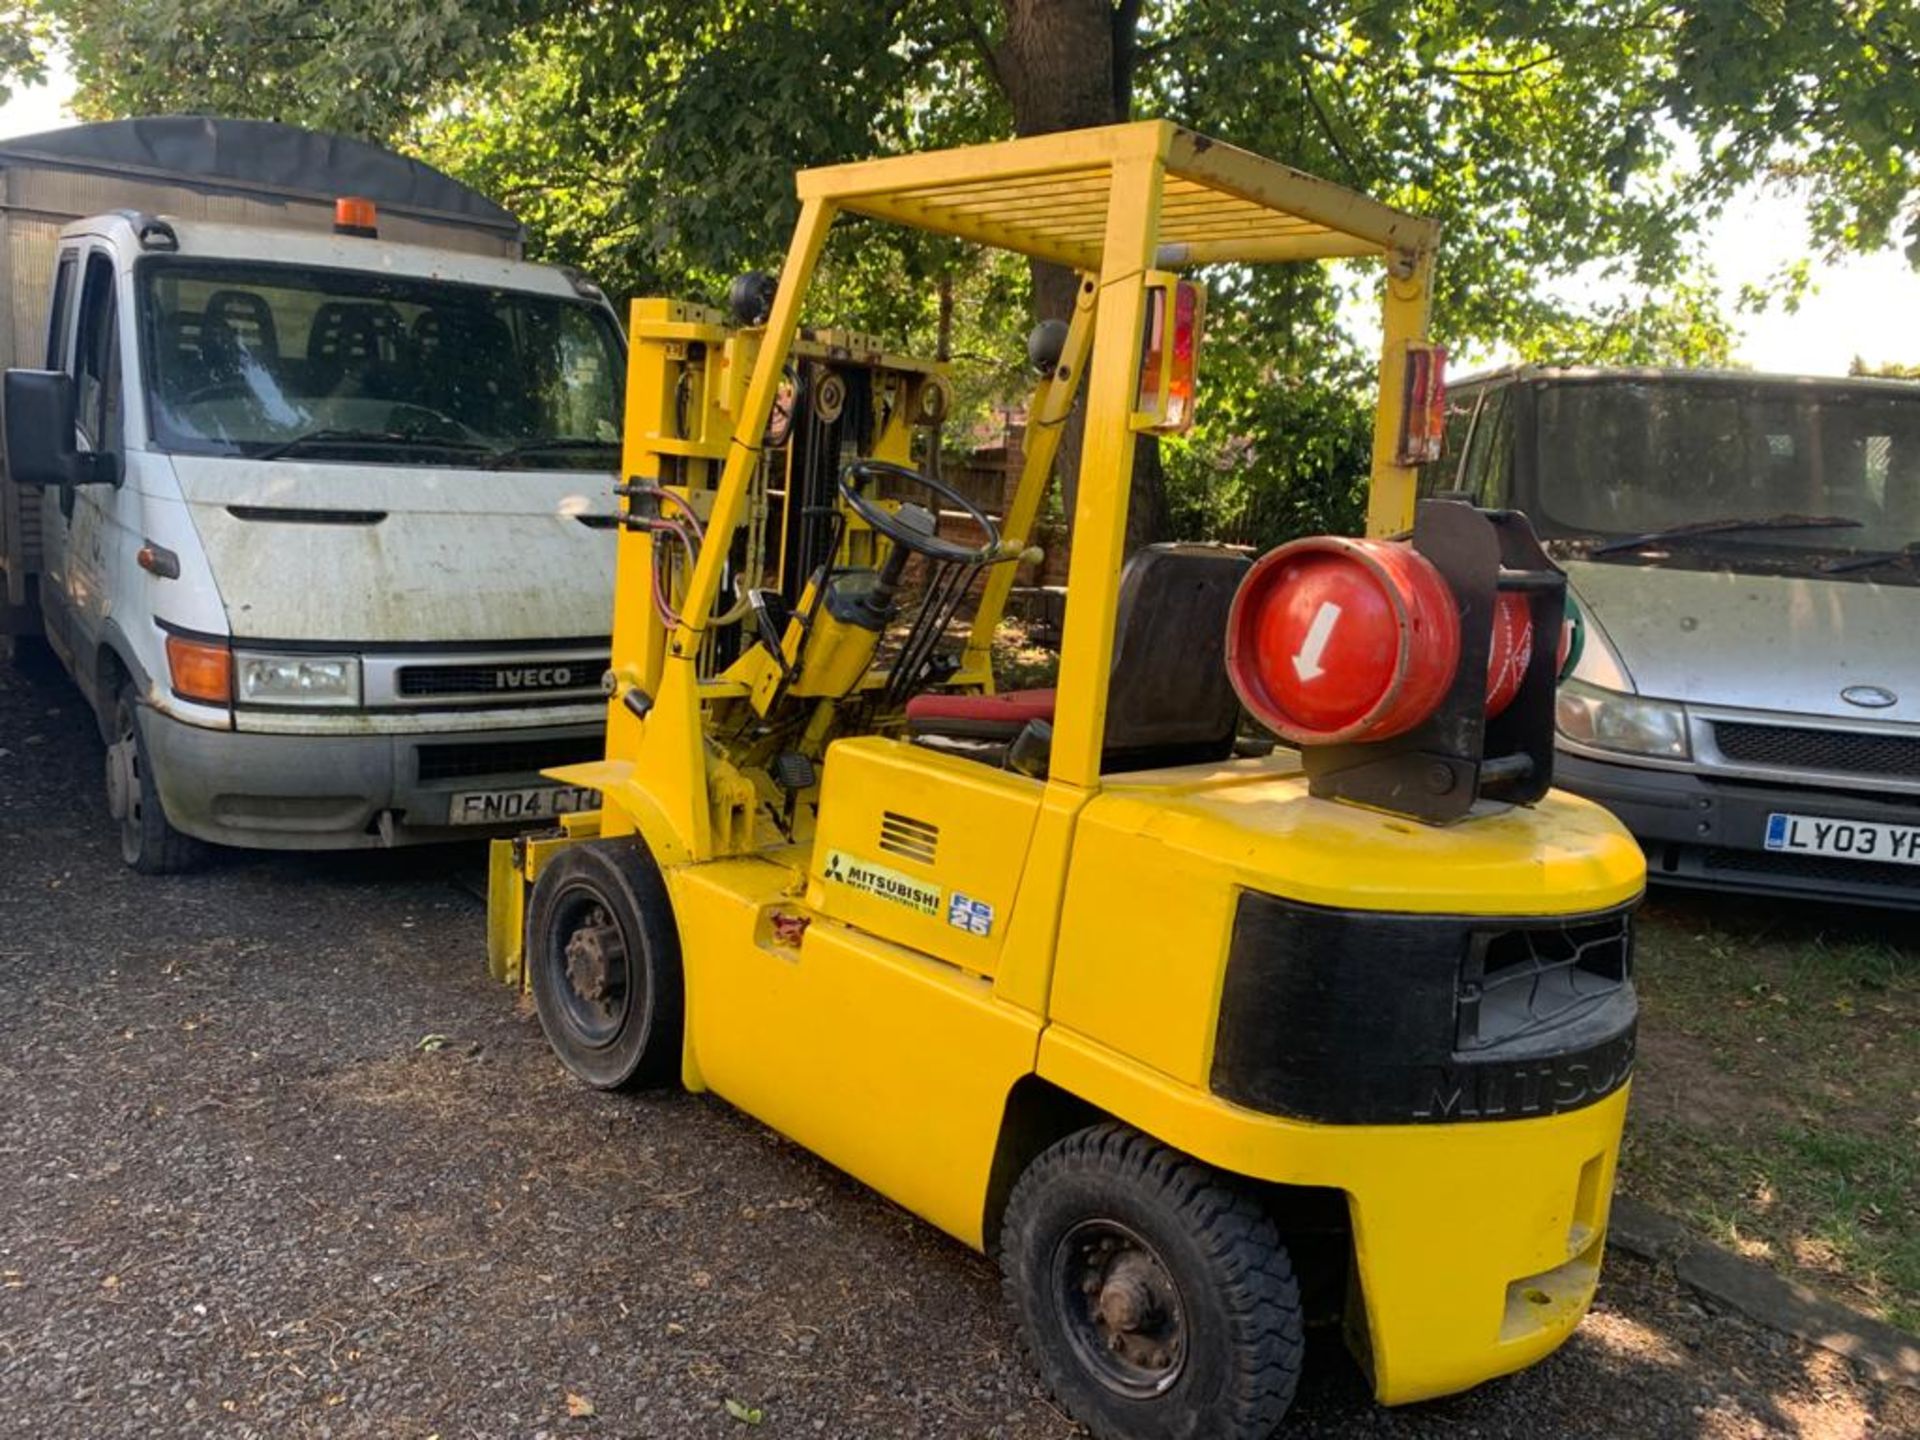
(886, 585)
(770, 617)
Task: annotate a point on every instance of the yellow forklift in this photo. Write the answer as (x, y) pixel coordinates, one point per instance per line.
(1202, 1039)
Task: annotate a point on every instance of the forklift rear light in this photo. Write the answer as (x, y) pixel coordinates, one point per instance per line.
(1169, 355)
(1423, 411)
(200, 670)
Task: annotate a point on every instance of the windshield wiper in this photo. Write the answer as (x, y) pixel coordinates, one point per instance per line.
(1907, 552)
(338, 436)
(500, 457)
(1727, 526)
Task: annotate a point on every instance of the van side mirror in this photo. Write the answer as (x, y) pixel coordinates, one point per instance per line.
(37, 411)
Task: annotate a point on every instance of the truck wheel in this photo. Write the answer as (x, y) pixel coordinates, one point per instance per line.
(605, 961)
(1156, 1301)
(148, 841)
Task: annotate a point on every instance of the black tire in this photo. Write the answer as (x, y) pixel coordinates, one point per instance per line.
(31, 655)
(148, 842)
(1155, 1300)
(605, 965)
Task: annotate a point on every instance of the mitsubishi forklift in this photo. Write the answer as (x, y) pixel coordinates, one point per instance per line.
(1251, 976)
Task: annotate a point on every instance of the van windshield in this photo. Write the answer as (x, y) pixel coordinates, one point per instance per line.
(242, 358)
(1635, 458)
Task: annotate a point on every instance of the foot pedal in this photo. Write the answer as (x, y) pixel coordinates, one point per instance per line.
(794, 772)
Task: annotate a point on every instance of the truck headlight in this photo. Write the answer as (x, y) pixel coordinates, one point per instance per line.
(267, 679)
(1611, 720)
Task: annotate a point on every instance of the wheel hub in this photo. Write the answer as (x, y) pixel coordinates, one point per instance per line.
(595, 952)
(1126, 1304)
(1123, 1311)
(120, 778)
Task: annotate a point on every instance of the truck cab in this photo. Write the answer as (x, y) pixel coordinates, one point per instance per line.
(317, 519)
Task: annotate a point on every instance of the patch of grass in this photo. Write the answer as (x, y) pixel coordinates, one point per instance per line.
(1777, 1105)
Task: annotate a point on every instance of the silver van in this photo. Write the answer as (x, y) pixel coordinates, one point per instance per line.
(1745, 551)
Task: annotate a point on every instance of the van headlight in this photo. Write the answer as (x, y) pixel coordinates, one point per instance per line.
(266, 679)
(1611, 720)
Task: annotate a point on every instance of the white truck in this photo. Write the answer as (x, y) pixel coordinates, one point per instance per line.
(307, 482)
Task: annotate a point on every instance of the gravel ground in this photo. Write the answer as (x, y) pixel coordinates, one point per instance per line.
(243, 1192)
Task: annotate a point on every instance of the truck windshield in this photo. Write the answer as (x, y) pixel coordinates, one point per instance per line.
(245, 359)
(1639, 458)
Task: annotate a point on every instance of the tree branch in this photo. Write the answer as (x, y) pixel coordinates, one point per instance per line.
(1320, 114)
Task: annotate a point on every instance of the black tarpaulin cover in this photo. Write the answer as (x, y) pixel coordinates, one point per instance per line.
(203, 151)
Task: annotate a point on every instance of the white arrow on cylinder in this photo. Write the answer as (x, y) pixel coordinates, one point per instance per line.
(1307, 664)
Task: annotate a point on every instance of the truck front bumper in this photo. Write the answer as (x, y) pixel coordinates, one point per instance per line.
(1700, 830)
(343, 792)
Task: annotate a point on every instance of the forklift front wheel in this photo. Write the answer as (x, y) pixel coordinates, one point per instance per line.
(605, 961)
(1155, 1299)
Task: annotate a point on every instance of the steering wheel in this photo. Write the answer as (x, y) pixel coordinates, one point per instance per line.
(439, 426)
(856, 477)
(217, 390)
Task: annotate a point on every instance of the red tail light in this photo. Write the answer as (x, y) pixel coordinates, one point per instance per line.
(1423, 413)
(1169, 355)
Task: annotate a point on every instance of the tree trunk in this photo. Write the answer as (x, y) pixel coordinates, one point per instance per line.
(1065, 65)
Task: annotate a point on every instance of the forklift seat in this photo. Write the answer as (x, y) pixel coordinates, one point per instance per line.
(1169, 701)
(979, 717)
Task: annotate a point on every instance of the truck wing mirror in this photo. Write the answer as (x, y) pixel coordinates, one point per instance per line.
(38, 410)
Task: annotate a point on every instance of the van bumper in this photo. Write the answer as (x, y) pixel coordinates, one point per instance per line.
(1702, 831)
(345, 792)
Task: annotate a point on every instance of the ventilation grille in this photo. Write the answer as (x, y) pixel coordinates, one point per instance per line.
(506, 758)
(1789, 748)
(903, 835)
(513, 677)
(1830, 870)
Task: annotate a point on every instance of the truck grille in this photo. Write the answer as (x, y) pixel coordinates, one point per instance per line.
(1787, 747)
(533, 677)
(506, 757)
(1824, 869)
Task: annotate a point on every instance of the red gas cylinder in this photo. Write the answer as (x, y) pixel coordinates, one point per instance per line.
(1511, 652)
(1333, 641)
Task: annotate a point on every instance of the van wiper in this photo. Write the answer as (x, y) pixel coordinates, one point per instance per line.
(1907, 552)
(501, 457)
(338, 436)
(1727, 526)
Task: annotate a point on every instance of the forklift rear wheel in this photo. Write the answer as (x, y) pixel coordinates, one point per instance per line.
(606, 965)
(148, 842)
(1155, 1300)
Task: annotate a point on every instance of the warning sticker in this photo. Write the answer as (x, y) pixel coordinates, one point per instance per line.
(879, 881)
